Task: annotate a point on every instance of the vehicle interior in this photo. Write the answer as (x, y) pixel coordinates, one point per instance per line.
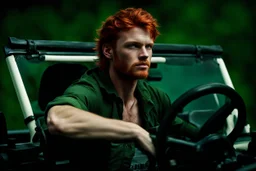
(194, 76)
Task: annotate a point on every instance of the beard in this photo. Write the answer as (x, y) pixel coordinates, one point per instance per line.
(133, 72)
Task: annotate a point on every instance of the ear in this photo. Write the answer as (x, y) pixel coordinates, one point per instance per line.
(107, 51)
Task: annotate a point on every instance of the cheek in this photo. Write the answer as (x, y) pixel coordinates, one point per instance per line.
(126, 58)
(150, 54)
(121, 62)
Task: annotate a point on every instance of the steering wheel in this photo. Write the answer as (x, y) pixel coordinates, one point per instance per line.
(235, 102)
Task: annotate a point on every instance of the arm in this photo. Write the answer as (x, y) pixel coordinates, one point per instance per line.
(75, 123)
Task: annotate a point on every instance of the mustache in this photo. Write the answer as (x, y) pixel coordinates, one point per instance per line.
(142, 63)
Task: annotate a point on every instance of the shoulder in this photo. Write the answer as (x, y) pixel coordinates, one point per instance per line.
(88, 79)
(85, 86)
(89, 75)
(153, 91)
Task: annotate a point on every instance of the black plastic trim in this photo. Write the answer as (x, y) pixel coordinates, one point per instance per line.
(28, 119)
(26, 46)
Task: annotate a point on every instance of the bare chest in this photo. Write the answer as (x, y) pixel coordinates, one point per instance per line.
(132, 114)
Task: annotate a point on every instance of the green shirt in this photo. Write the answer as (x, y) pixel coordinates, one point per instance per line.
(95, 92)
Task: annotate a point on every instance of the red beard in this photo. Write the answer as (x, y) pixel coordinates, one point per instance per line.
(135, 71)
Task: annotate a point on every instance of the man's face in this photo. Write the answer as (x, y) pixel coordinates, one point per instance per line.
(132, 55)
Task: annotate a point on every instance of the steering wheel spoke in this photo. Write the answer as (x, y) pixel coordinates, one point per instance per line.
(217, 121)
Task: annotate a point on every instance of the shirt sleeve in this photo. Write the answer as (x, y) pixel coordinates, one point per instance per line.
(77, 95)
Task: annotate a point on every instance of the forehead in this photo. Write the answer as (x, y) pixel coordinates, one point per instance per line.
(135, 35)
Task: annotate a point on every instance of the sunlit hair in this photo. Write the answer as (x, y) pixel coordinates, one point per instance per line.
(123, 20)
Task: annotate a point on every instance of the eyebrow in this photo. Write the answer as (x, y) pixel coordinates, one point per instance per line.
(137, 42)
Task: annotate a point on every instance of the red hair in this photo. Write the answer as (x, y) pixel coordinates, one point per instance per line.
(123, 20)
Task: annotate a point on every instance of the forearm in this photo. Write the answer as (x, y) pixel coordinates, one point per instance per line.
(76, 123)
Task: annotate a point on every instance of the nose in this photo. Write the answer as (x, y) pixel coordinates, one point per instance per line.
(144, 53)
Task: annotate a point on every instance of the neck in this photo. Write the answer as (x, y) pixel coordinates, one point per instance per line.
(124, 87)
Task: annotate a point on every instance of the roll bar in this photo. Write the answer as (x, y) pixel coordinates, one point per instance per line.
(54, 47)
(75, 51)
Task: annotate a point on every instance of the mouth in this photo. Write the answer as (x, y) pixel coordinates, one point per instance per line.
(142, 66)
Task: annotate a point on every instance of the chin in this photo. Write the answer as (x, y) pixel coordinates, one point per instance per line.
(141, 75)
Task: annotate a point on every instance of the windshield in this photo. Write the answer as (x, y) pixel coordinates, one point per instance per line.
(175, 78)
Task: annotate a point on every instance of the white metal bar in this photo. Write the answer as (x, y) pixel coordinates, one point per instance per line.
(67, 58)
(21, 93)
(216, 99)
(232, 118)
(241, 145)
(224, 72)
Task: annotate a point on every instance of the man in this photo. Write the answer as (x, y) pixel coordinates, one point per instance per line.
(109, 111)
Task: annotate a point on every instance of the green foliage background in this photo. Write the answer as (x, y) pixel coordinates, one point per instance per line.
(226, 23)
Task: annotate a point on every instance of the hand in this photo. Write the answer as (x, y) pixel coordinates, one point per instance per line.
(144, 141)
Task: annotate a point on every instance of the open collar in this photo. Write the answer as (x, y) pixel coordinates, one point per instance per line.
(105, 83)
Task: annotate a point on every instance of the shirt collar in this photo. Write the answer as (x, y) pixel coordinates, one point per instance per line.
(105, 83)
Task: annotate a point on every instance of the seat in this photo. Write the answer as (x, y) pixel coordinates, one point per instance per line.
(54, 81)
(3, 129)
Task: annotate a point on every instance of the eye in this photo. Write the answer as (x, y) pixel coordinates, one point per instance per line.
(132, 46)
(149, 46)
